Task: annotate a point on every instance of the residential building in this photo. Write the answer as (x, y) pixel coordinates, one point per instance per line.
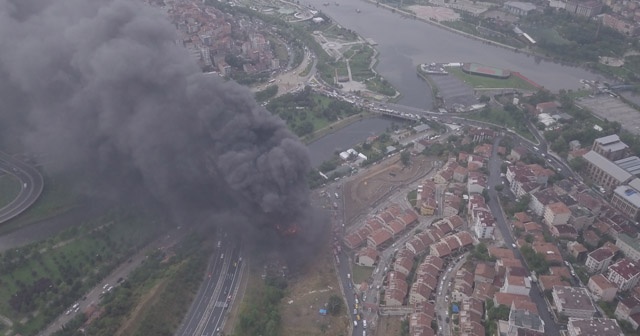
(367, 257)
(573, 301)
(598, 260)
(556, 214)
(628, 246)
(547, 282)
(622, 25)
(624, 273)
(540, 199)
(564, 231)
(419, 292)
(404, 261)
(602, 172)
(628, 309)
(593, 327)
(426, 198)
(602, 288)
(476, 182)
(483, 223)
(379, 238)
(610, 146)
(524, 319)
(520, 301)
(516, 285)
(484, 272)
(577, 250)
(581, 217)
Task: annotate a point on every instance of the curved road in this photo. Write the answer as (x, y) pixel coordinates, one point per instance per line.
(31, 185)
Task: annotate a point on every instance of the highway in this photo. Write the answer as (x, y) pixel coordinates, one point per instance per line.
(31, 186)
(208, 311)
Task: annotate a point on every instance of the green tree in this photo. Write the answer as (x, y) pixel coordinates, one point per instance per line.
(578, 164)
(405, 157)
(335, 305)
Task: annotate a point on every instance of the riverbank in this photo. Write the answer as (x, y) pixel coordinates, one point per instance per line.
(524, 51)
(336, 126)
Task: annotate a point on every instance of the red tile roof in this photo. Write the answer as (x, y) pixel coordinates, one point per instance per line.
(379, 237)
(601, 254)
(625, 268)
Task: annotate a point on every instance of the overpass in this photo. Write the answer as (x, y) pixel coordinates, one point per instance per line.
(31, 186)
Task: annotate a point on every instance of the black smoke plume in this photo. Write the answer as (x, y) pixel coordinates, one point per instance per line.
(101, 88)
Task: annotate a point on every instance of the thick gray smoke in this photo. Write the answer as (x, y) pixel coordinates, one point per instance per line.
(102, 89)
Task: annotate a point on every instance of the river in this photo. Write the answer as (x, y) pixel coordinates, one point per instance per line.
(404, 43)
(345, 138)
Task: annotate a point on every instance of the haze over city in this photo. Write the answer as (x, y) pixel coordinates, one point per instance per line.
(349, 167)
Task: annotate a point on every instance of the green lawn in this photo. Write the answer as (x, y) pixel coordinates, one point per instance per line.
(56, 198)
(361, 273)
(9, 189)
(360, 62)
(487, 82)
(380, 85)
(504, 118)
(548, 34)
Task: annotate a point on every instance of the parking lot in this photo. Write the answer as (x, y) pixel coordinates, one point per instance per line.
(613, 109)
(455, 92)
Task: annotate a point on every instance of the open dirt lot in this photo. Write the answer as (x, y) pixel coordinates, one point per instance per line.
(308, 293)
(389, 325)
(371, 186)
(607, 107)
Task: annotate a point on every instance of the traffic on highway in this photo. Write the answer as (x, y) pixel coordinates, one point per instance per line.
(211, 305)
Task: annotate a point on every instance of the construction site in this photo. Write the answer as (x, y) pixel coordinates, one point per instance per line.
(371, 187)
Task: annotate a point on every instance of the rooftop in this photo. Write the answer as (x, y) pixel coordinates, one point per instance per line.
(559, 208)
(604, 164)
(595, 327)
(602, 282)
(625, 268)
(601, 254)
(631, 164)
(525, 319)
(573, 298)
(611, 140)
(628, 194)
(521, 5)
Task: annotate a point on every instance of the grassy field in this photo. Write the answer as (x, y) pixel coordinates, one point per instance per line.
(360, 63)
(361, 273)
(548, 34)
(56, 198)
(9, 189)
(40, 280)
(380, 85)
(487, 82)
(341, 33)
(504, 118)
